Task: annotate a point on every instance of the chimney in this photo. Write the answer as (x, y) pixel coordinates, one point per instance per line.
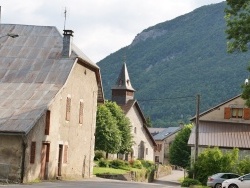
(67, 39)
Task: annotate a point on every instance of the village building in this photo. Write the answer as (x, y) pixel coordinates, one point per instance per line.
(123, 95)
(163, 138)
(225, 126)
(49, 91)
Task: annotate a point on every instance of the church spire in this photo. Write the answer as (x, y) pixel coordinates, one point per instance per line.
(123, 91)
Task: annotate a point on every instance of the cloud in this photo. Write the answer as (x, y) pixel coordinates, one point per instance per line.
(101, 26)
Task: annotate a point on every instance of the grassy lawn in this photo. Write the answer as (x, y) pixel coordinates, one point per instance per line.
(103, 170)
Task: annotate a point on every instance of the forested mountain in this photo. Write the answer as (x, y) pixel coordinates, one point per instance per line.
(171, 62)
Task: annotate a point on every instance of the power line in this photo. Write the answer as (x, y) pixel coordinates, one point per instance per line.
(168, 98)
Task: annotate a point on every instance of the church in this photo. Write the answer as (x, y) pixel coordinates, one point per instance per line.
(123, 95)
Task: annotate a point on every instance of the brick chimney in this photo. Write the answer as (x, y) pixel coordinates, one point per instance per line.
(67, 39)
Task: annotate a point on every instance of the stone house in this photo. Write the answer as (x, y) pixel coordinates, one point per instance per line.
(49, 94)
(123, 95)
(226, 126)
(163, 138)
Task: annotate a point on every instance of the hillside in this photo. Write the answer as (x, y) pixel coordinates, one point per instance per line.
(176, 59)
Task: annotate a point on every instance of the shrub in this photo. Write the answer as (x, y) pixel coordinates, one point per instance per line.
(188, 181)
(98, 155)
(244, 166)
(137, 164)
(103, 163)
(117, 163)
(148, 164)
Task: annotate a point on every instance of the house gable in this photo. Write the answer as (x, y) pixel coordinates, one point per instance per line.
(233, 110)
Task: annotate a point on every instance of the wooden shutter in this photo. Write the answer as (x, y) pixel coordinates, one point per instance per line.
(68, 105)
(227, 113)
(65, 154)
(32, 152)
(81, 112)
(246, 113)
(47, 125)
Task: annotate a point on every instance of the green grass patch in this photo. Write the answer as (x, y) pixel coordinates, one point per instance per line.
(103, 170)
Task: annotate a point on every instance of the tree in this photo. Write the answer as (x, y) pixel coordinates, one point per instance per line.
(219, 161)
(149, 122)
(124, 126)
(180, 152)
(238, 25)
(238, 32)
(107, 137)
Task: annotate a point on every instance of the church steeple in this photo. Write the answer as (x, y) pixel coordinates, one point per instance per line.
(123, 91)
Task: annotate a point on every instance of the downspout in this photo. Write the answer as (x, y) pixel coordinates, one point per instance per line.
(24, 146)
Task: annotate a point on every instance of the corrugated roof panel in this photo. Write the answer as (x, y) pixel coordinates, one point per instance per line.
(222, 135)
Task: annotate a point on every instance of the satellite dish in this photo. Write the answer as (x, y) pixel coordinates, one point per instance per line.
(246, 81)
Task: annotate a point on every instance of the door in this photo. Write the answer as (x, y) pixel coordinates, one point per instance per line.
(59, 172)
(44, 161)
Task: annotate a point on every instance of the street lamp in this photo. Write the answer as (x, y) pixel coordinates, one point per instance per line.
(12, 35)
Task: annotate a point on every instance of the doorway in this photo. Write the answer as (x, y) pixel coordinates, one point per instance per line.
(44, 161)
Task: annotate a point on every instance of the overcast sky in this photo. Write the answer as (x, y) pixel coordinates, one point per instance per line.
(100, 27)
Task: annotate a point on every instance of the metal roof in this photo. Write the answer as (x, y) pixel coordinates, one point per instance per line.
(166, 133)
(227, 135)
(32, 71)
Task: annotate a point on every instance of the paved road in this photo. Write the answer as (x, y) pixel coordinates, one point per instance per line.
(94, 184)
(169, 181)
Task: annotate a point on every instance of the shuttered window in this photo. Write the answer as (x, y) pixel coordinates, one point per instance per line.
(32, 152)
(237, 112)
(65, 154)
(68, 106)
(227, 113)
(247, 113)
(47, 123)
(81, 112)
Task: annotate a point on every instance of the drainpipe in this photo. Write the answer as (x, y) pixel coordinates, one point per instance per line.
(24, 146)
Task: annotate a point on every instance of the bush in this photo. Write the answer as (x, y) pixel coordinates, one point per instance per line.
(103, 163)
(137, 164)
(188, 181)
(98, 155)
(117, 163)
(244, 165)
(215, 158)
(147, 164)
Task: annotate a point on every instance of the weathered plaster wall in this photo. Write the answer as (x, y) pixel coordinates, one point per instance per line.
(11, 154)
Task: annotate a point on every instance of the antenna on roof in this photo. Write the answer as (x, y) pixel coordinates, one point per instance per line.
(65, 16)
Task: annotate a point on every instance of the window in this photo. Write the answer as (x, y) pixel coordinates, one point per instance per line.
(146, 151)
(157, 159)
(135, 130)
(159, 146)
(81, 112)
(32, 152)
(68, 105)
(65, 155)
(237, 112)
(47, 123)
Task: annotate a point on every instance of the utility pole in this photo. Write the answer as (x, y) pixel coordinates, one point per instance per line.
(197, 128)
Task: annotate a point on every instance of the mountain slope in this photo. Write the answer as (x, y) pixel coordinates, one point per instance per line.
(174, 61)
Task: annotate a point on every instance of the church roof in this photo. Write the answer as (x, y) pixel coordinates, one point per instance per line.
(123, 81)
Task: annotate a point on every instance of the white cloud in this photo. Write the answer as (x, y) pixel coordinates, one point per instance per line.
(101, 26)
